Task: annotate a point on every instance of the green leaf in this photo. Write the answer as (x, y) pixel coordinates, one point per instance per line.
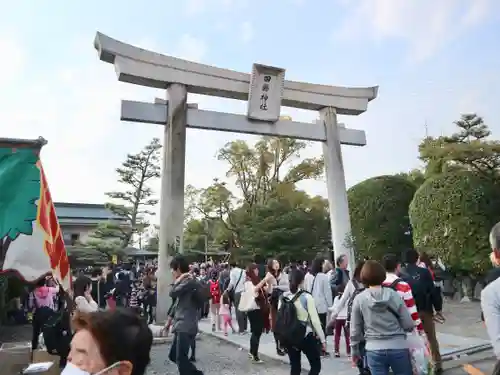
(379, 215)
(452, 215)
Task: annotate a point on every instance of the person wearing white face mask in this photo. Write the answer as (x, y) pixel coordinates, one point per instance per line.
(109, 343)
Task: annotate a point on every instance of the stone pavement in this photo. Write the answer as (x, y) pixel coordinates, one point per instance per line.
(463, 319)
(461, 332)
(215, 357)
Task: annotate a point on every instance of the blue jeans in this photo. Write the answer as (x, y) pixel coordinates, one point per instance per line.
(399, 360)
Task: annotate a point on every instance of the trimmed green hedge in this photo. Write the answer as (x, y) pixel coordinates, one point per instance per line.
(379, 215)
(452, 216)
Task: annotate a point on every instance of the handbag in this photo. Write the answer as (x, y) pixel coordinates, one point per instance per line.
(420, 356)
(247, 300)
(230, 293)
(275, 294)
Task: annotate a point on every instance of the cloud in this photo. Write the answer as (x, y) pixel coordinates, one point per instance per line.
(74, 103)
(477, 11)
(247, 32)
(425, 25)
(191, 48)
(77, 110)
(13, 63)
(194, 7)
(197, 7)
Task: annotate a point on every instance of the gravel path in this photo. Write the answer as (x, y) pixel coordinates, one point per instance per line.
(216, 357)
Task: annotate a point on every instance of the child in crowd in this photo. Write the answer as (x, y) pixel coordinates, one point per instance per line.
(215, 295)
(340, 325)
(225, 313)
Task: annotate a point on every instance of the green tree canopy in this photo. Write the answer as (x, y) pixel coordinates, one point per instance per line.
(379, 215)
(470, 148)
(415, 176)
(451, 216)
(265, 171)
(288, 229)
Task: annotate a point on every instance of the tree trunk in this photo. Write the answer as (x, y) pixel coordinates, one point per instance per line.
(467, 288)
(4, 283)
(448, 288)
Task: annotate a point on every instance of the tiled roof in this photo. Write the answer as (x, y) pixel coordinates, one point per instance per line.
(131, 251)
(84, 211)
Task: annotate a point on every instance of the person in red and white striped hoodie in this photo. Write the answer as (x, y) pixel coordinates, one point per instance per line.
(392, 280)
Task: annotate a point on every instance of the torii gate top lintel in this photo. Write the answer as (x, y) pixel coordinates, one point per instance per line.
(146, 68)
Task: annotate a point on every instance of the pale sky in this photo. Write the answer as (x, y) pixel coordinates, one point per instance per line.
(433, 60)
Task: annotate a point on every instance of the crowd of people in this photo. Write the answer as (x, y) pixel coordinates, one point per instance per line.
(376, 308)
(381, 309)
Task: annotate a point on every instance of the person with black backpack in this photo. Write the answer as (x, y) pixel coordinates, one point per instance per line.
(392, 280)
(298, 326)
(427, 300)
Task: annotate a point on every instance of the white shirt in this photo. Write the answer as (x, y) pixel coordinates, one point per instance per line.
(319, 287)
(236, 282)
(490, 304)
(343, 311)
(85, 306)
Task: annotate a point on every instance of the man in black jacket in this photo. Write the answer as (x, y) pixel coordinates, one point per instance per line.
(185, 290)
(427, 300)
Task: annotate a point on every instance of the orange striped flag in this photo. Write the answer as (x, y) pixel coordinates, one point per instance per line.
(31, 241)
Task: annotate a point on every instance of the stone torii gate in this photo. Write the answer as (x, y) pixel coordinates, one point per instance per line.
(265, 90)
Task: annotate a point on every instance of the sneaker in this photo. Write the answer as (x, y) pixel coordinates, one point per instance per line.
(250, 355)
(337, 355)
(192, 359)
(257, 360)
(213, 327)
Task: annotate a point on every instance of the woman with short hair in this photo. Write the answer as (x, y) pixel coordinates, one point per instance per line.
(110, 343)
(380, 318)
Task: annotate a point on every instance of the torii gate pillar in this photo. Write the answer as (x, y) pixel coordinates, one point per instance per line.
(340, 220)
(172, 187)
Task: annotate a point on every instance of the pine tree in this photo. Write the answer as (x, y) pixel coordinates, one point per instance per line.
(470, 148)
(133, 202)
(471, 128)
